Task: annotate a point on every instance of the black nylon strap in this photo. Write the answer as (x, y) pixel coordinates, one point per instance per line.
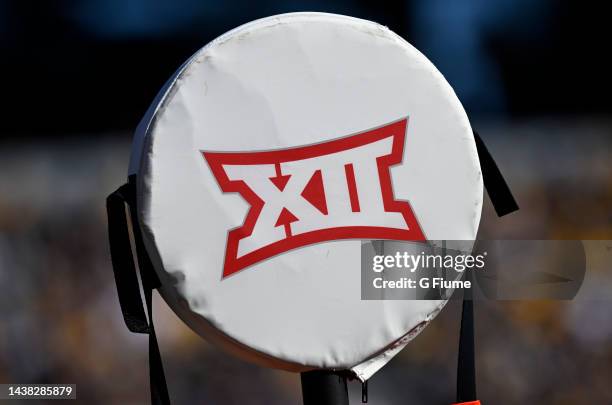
(157, 378)
(466, 365)
(148, 274)
(497, 188)
(127, 282)
(504, 203)
(123, 263)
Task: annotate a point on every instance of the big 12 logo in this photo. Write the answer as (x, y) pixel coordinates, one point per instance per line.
(340, 189)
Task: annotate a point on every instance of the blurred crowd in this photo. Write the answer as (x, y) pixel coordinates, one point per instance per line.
(61, 322)
(80, 73)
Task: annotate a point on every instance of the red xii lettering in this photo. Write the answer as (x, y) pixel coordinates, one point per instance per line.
(340, 189)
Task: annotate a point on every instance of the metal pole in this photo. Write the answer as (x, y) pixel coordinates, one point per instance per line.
(324, 387)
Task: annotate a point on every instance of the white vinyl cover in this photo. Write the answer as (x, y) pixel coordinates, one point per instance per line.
(296, 82)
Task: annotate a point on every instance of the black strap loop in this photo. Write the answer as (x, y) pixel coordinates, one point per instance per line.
(504, 203)
(497, 188)
(127, 281)
(466, 364)
(123, 263)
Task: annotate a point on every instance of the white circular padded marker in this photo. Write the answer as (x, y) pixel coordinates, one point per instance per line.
(270, 155)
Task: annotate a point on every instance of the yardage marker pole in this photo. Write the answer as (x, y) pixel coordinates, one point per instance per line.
(323, 387)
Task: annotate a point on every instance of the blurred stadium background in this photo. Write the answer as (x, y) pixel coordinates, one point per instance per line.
(77, 76)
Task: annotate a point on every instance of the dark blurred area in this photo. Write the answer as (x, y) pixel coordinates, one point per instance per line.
(77, 77)
(79, 66)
